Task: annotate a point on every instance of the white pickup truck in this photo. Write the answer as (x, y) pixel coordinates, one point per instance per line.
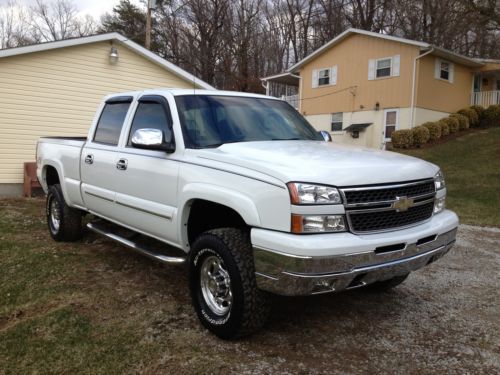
(249, 195)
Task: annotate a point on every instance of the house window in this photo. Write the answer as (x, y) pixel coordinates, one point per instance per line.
(337, 120)
(384, 67)
(444, 72)
(324, 77)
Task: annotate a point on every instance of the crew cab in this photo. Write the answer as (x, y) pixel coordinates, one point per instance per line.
(242, 189)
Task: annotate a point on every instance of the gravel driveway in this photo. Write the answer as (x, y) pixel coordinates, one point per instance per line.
(443, 319)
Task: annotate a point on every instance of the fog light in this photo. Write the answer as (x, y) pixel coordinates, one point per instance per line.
(439, 204)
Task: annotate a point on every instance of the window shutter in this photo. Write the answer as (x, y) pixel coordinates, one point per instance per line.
(395, 66)
(451, 72)
(315, 77)
(333, 75)
(437, 69)
(371, 69)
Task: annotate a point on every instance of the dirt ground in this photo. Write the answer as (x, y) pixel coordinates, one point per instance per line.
(443, 319)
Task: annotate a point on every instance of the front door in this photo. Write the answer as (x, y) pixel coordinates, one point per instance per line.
(146, 184)
(99, 157)
(391, 123)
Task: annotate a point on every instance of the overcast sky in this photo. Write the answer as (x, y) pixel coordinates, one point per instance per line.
(98, 7)
(95, 8)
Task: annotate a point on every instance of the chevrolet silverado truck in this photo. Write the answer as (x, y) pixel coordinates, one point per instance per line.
(242, 189)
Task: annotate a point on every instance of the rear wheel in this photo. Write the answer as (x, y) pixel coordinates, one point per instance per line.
(222, 283)
(382, 286)
(64, 222)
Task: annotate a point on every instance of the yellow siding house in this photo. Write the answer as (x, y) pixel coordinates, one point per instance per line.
(53, 89)
(361, 85)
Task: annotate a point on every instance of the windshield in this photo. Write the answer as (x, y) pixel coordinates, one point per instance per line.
(212, 120)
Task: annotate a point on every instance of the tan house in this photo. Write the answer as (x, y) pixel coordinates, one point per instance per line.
(361, 85)
(54, 89)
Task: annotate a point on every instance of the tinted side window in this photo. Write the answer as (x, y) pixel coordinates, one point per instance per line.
(110, 123)
(150, 115)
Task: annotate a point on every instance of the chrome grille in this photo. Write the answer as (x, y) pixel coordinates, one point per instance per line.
(376, 195)
(370, 208)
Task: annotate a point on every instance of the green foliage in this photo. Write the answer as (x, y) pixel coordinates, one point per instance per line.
(434, 130)
(472, 175)
(453, 123)
(463, 121)
(492, 115)
(471, 115)
(445, 126)
(480, 112)
(402, 138)
(420, 135)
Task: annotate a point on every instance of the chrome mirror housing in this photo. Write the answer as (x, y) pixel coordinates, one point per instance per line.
(326, 136)
(151, 139)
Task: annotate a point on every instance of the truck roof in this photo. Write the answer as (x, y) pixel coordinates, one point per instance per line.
(180, 92)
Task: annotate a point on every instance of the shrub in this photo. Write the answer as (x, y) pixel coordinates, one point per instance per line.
(453, 123)
(471, 115)
(420, 135)
(402, 138)
(434, 130)
(480, 113)
(445, 126)
(492, 115)
(463, 122)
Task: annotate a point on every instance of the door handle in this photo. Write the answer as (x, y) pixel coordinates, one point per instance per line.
(122, 164)
(89, 159)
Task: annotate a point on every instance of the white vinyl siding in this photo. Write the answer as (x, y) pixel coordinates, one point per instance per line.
(444, 70)
(384, 67)
(56, 93)
(324, 77)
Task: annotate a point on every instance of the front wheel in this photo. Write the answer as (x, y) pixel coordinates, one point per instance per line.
(222, 284)
(65, 223)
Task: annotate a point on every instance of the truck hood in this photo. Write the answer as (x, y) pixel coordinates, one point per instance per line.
(321, 162)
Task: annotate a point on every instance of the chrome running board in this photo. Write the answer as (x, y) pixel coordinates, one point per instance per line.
(141, 249)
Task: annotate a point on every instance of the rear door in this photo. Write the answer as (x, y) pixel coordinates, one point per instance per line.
(146, 185)
(100, 156)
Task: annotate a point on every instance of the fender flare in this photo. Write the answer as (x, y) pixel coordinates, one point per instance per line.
(59, 169)
(232, 199)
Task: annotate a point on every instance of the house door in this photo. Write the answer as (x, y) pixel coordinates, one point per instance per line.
(391, 123)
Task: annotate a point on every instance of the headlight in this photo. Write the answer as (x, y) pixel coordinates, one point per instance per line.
(302, 193)
(318, 223)
(439, 181)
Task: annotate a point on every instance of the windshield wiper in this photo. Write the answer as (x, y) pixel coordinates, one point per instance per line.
(285, 139)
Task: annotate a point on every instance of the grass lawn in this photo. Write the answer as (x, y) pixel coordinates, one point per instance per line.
(471, 165)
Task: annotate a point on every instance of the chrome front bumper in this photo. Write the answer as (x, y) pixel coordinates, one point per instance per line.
(293, 275)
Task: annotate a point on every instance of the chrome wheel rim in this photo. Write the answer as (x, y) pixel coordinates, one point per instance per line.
(55, 215)
(216, 285)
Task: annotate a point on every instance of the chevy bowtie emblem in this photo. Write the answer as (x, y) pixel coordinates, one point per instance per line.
(402, 204)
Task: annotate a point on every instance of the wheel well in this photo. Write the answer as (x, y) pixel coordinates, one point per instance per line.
(206, 215)
(51, 176)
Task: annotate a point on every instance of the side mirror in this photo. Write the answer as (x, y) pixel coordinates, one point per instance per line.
(152, 139)
(326, 136)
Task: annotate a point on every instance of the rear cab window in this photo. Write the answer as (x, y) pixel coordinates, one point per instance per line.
(111, 121)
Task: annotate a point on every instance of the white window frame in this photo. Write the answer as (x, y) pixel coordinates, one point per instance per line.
(377, 68)
(336, 122)
(394, 68)
(332, 77)
(438, 69)
(384, 124)
(328, 70)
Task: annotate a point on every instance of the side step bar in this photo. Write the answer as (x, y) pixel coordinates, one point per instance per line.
(95, 227)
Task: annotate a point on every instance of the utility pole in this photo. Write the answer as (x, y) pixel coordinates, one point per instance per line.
(151, 6)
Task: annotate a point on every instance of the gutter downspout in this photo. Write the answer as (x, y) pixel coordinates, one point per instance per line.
(413, 86)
